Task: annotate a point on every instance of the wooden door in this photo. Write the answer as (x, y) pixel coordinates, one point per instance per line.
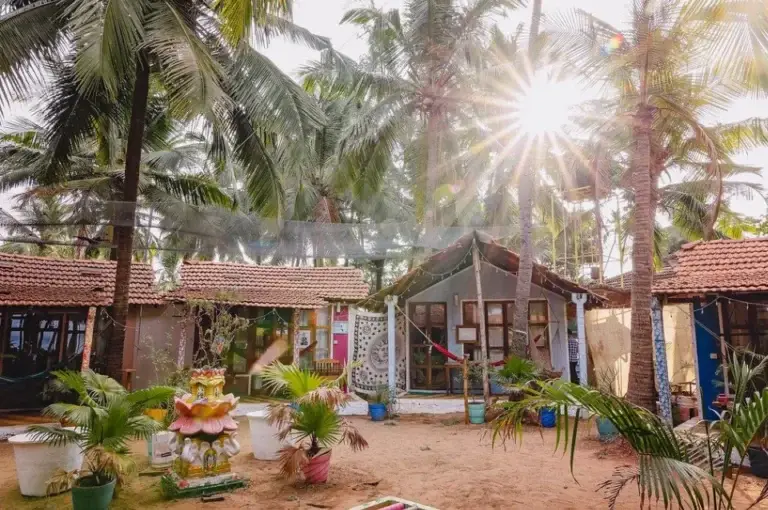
(427, 364)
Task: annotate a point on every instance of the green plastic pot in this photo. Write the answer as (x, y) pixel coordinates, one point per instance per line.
(477, 412)
(87, 496)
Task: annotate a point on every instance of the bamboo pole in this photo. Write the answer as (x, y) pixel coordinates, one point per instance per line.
(481, 313)
(465, 374)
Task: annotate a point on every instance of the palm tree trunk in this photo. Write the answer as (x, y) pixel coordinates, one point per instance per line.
(641, 371)
(517, 344)
(598, 217)
(433, 168)
(379, 265)
(125, 230)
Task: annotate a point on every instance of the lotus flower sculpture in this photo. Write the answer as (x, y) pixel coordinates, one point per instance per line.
(205, 436)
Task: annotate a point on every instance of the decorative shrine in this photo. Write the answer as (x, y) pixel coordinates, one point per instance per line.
(205, 438)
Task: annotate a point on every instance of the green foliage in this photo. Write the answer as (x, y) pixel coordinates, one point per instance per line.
(674, 469)
(105, 419)
(311, 420)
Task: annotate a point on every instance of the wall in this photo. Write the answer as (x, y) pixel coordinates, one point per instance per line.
(498, 285)
(608, 341)
(158, 333)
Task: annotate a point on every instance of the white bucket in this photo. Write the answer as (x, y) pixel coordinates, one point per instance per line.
(37, 462)
(264, 441)
(159, 449)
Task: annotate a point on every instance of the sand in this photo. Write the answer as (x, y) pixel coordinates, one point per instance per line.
(434, 460)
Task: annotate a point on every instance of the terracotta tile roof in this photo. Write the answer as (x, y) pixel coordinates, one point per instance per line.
(270, 286)
(43, 281)
(615, 281)
(719, 266)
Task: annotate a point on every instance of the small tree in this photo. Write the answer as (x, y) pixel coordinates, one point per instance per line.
(106, 418)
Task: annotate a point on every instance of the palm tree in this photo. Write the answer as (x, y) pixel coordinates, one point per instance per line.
(672, 48)
(172, 172)
(676, 469)
(518, 344)
(105, 419)
(38, 228)
(115, 52)
(418, 75)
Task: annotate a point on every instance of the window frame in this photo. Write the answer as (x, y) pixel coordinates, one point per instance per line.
(507, 321)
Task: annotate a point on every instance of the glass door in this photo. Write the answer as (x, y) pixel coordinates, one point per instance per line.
(427, 364)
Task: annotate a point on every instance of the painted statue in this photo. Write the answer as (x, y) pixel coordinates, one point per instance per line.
(205, 437)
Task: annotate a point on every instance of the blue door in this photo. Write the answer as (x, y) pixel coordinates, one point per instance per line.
(707, 331)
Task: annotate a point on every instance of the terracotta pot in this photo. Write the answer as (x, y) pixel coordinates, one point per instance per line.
(316, 471)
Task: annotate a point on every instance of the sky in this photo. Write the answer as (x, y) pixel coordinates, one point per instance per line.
(322, 17)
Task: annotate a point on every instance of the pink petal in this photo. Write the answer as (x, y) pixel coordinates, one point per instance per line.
(213, 426)
(190, 427)
(229, 423)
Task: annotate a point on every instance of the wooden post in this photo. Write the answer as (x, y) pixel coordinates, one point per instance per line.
(481, 313)
(465, 374)
(90, 321)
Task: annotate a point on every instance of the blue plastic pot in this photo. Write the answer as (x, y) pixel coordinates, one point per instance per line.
(377, 411)
(606, 428)
(477, 412)
(547, 417)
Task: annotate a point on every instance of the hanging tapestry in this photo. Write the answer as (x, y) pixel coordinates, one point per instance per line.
(369, 350)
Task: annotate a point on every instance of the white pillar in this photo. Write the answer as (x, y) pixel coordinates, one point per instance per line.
(391, 356)
(580, 299)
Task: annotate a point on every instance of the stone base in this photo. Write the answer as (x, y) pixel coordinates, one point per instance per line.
(175, 487)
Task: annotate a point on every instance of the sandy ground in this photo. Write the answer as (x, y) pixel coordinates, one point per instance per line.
(434, 460)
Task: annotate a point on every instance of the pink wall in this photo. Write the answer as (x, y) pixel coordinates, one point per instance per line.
(340, 340)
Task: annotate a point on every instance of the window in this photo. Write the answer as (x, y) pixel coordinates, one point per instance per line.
(427, 363)
(37, 341)
(499, 330)
(315, 325)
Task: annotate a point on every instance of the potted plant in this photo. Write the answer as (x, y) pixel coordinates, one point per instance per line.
(378, 402)
(313, 424)
(476, 404)
(105, 418)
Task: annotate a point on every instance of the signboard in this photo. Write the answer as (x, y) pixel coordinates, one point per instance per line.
(340, 327)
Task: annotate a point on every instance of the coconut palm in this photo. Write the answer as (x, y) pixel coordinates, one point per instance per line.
(644, 64)
(676, 470)
(104, 421)
(198, 51)
(417, 73)
(39, 227)
(172, 172)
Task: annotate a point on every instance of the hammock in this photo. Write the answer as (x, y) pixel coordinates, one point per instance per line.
(40, 375)
(445, 352)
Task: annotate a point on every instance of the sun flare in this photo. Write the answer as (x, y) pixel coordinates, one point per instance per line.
(545, 106)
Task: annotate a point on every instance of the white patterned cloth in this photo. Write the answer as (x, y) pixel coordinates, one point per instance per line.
(369, 348)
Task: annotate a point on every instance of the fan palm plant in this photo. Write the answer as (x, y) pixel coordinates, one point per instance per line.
(310, 421)
(672, 47)
(675, 470)
(105, 419)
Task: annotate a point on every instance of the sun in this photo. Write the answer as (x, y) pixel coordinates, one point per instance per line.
(544, 106)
